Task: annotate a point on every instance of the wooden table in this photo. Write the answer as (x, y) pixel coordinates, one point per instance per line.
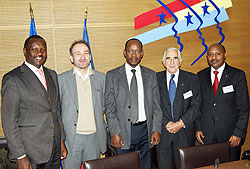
(242, 164)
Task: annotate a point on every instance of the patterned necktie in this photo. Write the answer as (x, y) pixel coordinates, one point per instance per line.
(172, 91)
(216, 82)
(134, 98)
(42, 78)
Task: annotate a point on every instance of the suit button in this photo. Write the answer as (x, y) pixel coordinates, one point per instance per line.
(212, 118)
(214, 104)
(129, 107)
(128, 119)
(74, 124)
(76, 111)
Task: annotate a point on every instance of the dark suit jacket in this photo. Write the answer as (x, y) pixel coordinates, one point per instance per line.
(226, 113)
(186, 109)
(30, 114)
(117, 103)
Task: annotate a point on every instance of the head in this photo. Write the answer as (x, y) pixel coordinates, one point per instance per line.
(216, 55)
(133, 52)
(172, 59)
(80, 54)
(35, 50)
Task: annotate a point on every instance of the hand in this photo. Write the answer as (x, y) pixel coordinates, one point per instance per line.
(174, 127)
(198, 136)
(64, 151)
(155, 138)
(234, 141)
(117, 141)
(24, 163)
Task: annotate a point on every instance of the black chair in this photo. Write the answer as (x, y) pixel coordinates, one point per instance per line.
(123, 161)
(203, 155)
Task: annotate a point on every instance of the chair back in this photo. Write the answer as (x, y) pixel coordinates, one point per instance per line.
(123, 161)
(203, 155)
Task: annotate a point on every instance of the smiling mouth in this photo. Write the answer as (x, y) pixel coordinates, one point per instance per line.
(38, 58)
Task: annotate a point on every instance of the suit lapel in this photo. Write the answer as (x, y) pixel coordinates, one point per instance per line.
(33, 80)
(71, 82)
(123, 82)
(209, 82)
(164, 87)
(180, 86)
(225, 76)
(93, 84)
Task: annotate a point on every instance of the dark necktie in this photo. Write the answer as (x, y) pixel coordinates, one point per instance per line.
(172, 91)
(216, 82)
(134, 98)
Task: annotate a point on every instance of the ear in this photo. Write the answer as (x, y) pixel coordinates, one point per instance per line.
(124, 53)
(24, 51)
(142, 53)
(180, 62)
(71, 59)
(225, 56)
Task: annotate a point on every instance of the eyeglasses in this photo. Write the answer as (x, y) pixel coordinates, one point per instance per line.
(137, 52)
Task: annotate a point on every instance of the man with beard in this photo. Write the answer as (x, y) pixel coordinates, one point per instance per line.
(132, 105)
(31, 116)
(82, 97)
(225, 103)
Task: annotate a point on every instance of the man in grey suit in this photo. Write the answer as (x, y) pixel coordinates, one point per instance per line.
(31, 116)
(180, 101)
(134, 117)
(82, 97)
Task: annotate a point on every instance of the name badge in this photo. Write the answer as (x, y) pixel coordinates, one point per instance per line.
(228, 89)
(188, 94)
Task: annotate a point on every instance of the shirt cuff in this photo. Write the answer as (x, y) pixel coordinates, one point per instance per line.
(183, 123)
(19, 158)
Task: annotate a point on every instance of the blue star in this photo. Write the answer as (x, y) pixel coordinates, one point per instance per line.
(189, 19)
(162, 15)
(205, 9)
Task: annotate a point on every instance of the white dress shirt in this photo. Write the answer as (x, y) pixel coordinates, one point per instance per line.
(176, 77)
(128, 68)
(220, 70)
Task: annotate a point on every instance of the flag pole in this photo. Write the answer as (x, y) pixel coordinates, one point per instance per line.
(86, 12)
(31, 11)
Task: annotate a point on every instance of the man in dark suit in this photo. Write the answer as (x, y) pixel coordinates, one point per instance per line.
(180, 101)
(31, 116)
(132, 105)
(225, 103)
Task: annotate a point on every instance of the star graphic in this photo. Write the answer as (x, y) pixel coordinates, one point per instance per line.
(162, 15)
(189, 19)
(205, 9)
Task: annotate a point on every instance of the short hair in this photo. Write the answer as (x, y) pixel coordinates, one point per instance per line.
(223, 48)
(171, 48)
(77, 42)
(32, 37)
(126, 44)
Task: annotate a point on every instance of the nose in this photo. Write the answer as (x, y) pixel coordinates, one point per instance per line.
(214, 56)
(172, 61)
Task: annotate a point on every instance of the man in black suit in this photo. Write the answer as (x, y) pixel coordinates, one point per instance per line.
(225, 103)
(180, 101)
(31, 116)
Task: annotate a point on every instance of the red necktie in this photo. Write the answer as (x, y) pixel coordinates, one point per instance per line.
(43, 78)
(216, 82)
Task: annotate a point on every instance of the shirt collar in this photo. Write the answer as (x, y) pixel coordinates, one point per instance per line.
(176, 74)
(79, 73)
(128, 67)
(220, 70)
(32, 67)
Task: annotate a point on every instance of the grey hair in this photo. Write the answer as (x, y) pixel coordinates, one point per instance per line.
(171, 48)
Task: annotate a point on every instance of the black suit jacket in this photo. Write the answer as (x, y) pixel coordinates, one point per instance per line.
(31, 115)
(226, 113)
(186, 109)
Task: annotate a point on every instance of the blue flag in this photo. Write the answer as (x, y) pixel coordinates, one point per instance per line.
(86, 38)
(32, 27)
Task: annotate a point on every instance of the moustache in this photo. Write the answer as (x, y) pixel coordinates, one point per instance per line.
(214, 60)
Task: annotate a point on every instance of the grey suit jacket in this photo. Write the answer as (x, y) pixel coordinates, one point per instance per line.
(69, 103)
(30, 114)
(117, 103)
(186, 107)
